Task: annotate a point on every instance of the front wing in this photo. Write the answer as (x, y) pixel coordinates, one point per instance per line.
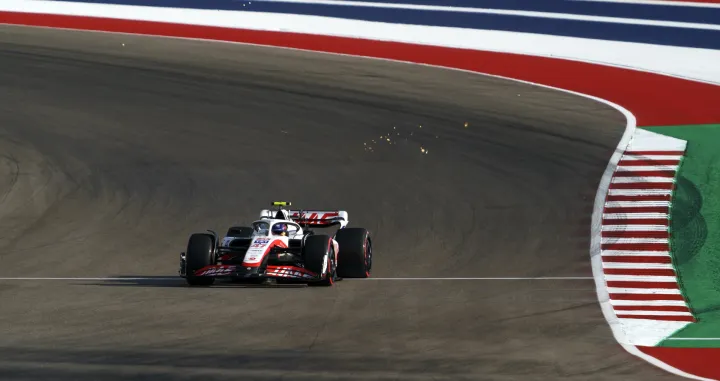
(237, 271)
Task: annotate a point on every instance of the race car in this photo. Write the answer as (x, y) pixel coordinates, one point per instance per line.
(280, 245)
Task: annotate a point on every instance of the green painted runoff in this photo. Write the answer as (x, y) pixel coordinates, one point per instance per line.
(695, 227)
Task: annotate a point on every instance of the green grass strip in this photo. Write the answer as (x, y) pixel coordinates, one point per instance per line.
(695, 227)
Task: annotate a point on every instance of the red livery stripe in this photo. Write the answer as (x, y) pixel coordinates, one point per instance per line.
(642, 186)
(639, 284)
(635, 234)
(636, 246)
(646, 297)
(640, 272)
(652, 308)
(640, 197)
(637, 259)
(638, 209)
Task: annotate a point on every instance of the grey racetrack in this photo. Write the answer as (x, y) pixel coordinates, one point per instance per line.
(111, 155)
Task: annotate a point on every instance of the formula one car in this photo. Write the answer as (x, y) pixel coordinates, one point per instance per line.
(280, 245)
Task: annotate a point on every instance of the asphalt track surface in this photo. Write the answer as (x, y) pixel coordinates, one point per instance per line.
(111, 155)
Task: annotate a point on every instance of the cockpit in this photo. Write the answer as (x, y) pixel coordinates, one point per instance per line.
(280, 228)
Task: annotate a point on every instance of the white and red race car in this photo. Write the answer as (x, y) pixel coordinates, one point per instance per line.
(280, 245)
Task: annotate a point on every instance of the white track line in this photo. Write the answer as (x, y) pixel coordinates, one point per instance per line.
(498, 278)
(693, 338)
(658, 2)
(550, 15)
(98, 278)
(179, 279)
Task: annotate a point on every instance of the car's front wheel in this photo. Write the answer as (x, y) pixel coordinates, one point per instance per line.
(200, 253)
(319, 257)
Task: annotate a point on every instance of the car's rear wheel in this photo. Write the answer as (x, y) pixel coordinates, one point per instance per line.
(354, 253)
(200, 253)
(319, 257)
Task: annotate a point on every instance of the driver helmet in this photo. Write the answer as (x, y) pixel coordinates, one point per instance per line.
(279, 229)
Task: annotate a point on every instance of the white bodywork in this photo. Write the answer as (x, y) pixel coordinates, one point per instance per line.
(262, 239)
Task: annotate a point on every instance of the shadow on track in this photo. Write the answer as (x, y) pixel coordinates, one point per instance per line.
(314, 363)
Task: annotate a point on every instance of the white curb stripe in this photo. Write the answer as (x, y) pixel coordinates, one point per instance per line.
(639, 266)
(640, 279)
(633, 240)
(646, 291)
(654, 168)
(651, 303)
(651, 157)
(635, 228)
(639, 192)
(644, 179)
(625, 216)
(635, 204)
(627, 253)
(654, 313)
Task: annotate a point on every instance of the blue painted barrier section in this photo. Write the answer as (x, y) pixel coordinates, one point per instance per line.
(615, 31)
(635, 11)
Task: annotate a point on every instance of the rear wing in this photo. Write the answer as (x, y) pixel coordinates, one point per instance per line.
(317, 218)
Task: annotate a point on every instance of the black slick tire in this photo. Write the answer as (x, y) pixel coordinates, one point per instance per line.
(354, 253)
(319, 252)
(200, 253)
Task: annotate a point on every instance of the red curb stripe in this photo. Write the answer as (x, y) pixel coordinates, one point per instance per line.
(642, 186)
(649, 163)
(641, 284)
(636, 221)
(635, 234)
(636, 246)
(643, 153)
(668, 174)
(652, 308)
(657, 317)
(696, 361)
(637, 259)
(646, 297)
(640, 272)
(639, 197)
(638, 209)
